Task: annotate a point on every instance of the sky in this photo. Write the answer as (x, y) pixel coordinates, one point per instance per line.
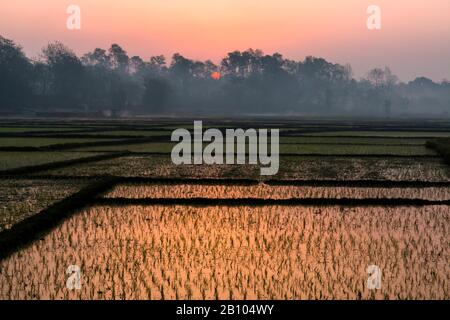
(414, 39)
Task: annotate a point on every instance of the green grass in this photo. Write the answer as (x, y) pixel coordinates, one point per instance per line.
(139, 147)
(12, 160)
(340, 140)
(189, 126)
(39, 129)
(41, 142)
(137, 133)
(405, 134)
(356, 149)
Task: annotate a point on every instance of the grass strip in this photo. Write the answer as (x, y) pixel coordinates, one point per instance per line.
(60, 164)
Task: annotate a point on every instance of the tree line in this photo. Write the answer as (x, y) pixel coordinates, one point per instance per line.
(247, 82)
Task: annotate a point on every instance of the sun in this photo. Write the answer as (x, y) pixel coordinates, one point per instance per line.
(216, 75)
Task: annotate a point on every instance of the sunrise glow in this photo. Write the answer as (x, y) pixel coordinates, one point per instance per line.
(411, 38)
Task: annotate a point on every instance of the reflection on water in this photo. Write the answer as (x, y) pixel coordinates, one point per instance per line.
(169, 252)
(140, 191)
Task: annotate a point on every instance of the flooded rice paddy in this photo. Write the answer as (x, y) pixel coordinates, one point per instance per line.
(127, 249)
(272, 252)
(264, 191)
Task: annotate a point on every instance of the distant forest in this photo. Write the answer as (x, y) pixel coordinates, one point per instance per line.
(112, 83)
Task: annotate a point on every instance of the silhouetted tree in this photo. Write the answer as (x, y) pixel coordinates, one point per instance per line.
(119, 58)
(156, 94)
(66, 72)
(15, 82)
(244, 82)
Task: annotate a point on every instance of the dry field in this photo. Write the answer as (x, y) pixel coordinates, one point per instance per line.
(20, 199)
(293, 168)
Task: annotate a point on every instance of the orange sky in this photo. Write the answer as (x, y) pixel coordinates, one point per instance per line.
(414, 40)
